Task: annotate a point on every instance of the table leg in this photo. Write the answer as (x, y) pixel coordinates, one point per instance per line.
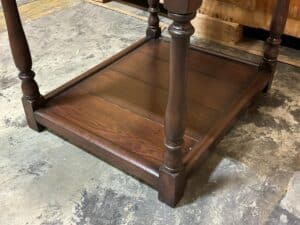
(32, 98)
(271, 53)
(172, 174)
(153, 30)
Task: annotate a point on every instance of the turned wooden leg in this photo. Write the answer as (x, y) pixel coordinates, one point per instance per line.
(278, 23)
(172, 174)
(153, 30)
(32, 98)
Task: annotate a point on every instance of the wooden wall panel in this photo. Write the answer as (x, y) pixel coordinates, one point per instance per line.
(249, 4)
(266, 6)
(259, 17)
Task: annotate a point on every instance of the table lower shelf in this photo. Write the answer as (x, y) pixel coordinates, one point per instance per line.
(116, 110)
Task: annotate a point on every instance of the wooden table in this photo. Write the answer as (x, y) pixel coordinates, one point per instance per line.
(156, 107)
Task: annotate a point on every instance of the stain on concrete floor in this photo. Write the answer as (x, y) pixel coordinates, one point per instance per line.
(248, 179)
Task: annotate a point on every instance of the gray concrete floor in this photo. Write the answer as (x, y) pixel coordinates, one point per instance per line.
(252, 177)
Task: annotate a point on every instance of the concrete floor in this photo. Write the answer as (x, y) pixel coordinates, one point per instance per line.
(252, 177)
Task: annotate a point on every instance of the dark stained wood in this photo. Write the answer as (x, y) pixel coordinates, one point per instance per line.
(225, 122)
(198, 85)
(153, 30)
(238, 70)
(32, 98)
(278, 23)
(100, 147)
(118, 114)
(140, 136)
(172, 172)
(182, 7)
(151, 101)
(155, 108)
(134, 144)
(95, 69)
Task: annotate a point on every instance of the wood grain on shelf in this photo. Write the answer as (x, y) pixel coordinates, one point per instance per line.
(117, 114)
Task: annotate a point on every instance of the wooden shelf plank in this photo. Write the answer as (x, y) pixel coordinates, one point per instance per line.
(117, 113)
